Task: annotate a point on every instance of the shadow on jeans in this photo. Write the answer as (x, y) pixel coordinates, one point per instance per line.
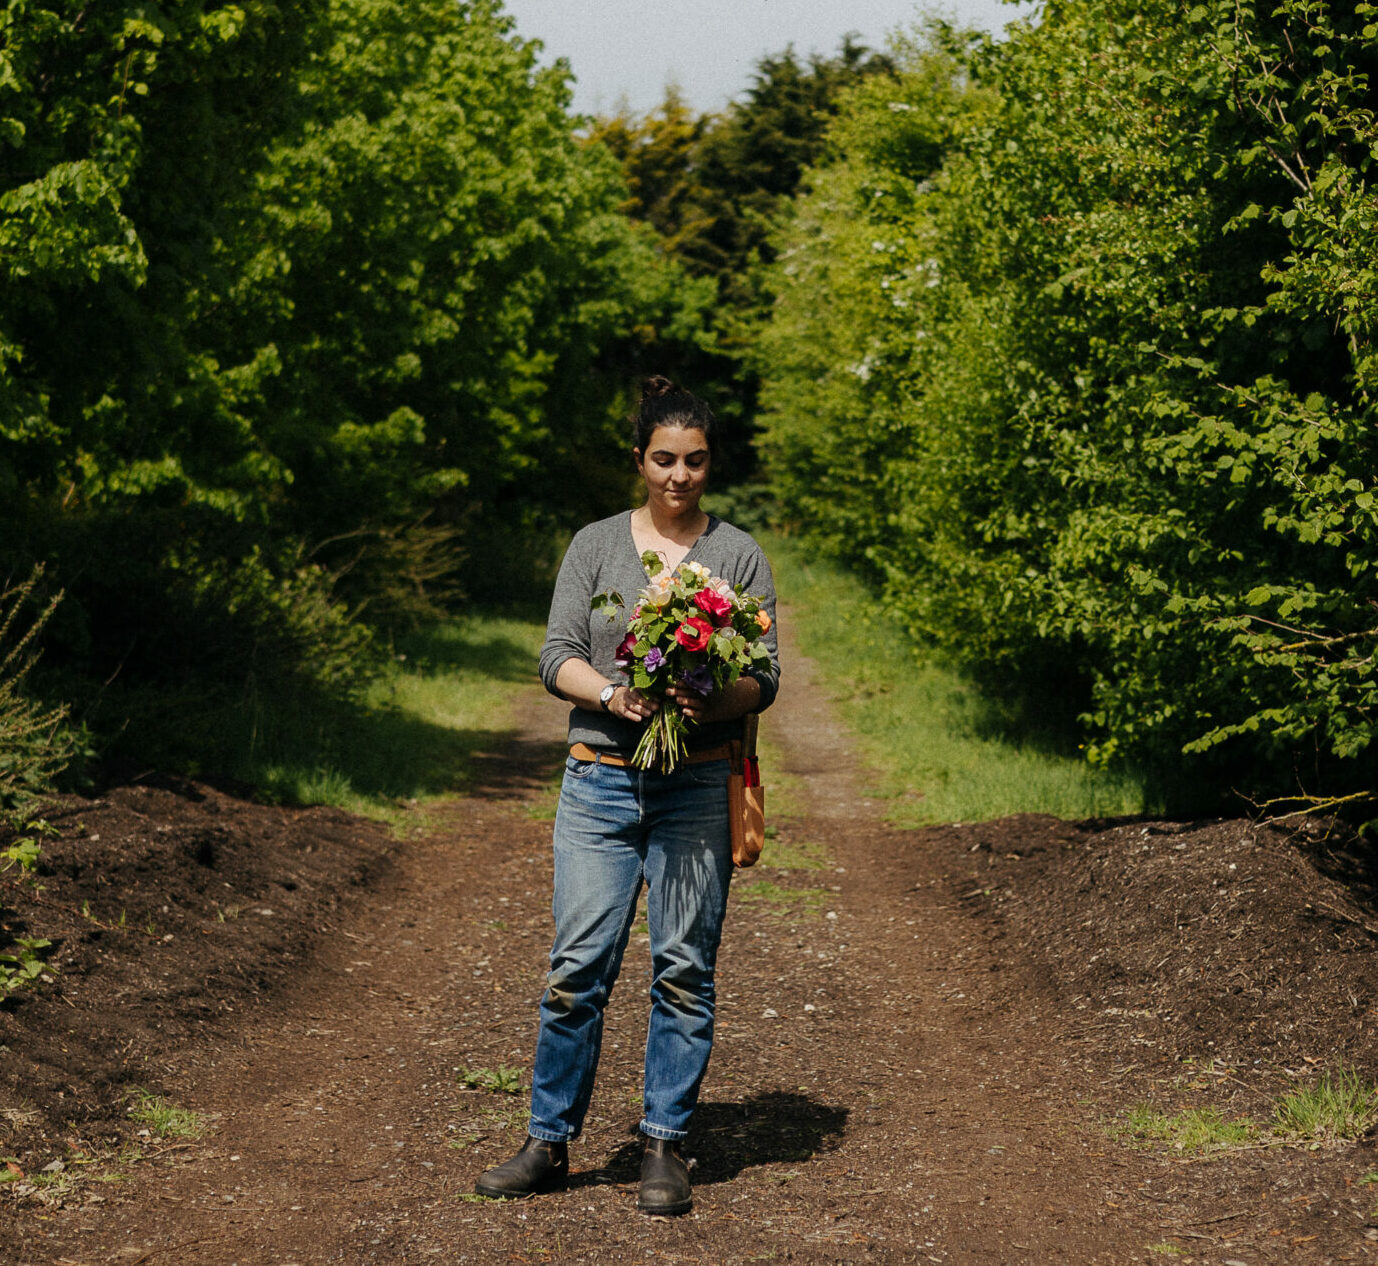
(726, 1138)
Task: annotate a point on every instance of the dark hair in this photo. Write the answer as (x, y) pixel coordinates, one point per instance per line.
(664, 404)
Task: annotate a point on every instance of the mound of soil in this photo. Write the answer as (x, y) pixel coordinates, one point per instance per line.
(170, 905)
(1249, 943)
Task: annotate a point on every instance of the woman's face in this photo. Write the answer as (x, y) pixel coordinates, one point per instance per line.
(675, 467)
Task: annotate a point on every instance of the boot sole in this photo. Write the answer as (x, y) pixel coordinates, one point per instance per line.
(665, 1210)
(540, 1189)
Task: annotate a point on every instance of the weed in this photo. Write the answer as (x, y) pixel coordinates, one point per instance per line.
(500, 1080)
(495, 1120)
(53, 1188)
(22, 853)
(1191, 1130)
(24, 966)
(1166, 1249)
(165, 1119)
(1338, 1106)
(472, 1197)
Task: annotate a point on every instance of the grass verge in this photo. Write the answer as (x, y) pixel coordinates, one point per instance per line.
(937, 748)
(447, 693)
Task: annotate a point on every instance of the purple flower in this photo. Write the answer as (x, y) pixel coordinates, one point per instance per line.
(699, 679)
(655, 658)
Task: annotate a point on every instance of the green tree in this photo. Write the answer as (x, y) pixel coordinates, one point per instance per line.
(1120, 356)
(301, 308)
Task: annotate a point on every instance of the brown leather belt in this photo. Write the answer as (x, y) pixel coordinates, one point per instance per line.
(582, 751)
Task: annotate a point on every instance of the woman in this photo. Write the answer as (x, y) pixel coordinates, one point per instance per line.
(618, 826)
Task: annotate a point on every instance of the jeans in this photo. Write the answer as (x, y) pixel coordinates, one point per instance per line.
(615, 829)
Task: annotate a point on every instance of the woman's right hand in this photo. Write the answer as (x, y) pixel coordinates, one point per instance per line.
(632, 705)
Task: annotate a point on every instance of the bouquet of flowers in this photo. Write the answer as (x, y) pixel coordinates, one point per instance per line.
(688, 628)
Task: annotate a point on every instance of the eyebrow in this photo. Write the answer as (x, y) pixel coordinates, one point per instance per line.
(669, 452)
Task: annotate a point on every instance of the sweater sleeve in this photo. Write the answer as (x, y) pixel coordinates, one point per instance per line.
(757, 579)
(567, 630)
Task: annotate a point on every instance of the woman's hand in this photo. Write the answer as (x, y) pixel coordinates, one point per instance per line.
(741, 697)
(694, 706)
(632, 705)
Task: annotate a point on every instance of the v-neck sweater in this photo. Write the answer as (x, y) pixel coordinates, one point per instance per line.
(603, 558)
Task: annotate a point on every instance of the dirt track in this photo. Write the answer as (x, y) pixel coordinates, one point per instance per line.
(898, 1077)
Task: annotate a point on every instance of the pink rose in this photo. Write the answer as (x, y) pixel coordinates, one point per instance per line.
(694, 633)
(712, 603)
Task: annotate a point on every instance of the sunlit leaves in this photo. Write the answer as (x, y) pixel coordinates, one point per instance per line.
(1099, 394)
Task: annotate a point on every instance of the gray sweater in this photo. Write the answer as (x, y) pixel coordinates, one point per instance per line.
(603, 557)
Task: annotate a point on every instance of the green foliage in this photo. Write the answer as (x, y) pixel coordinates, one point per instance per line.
(312, 316)
(1073, 352)
(24, 965)
(710, 186)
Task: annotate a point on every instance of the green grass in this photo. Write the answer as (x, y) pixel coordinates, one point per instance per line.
(448, 693)
(939, 751)
(1332, 1108)
(778, 897)
(1339, 1105)
(165, 1119)
(1191, 1130)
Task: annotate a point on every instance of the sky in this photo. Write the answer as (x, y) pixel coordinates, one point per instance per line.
(633, 48)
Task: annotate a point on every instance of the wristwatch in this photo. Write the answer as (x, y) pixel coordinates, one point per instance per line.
(605, 695)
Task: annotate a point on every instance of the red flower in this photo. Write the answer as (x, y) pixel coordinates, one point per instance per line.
(623, 656)
(712, 603)
(694, 633)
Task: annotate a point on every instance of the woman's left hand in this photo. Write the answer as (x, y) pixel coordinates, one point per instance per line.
(694, 706)
(742, 696)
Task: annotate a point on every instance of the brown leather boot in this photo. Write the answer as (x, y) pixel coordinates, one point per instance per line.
(664, 1179)
(538, 1167)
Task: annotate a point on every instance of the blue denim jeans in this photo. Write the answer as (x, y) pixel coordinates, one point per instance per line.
(615, 829)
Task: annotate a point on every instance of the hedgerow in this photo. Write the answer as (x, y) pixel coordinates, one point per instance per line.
(1074, 351)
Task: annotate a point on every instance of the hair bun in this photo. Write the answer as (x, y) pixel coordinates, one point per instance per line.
(656, 386)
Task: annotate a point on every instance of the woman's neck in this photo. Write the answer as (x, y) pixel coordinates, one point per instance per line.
(682, 529)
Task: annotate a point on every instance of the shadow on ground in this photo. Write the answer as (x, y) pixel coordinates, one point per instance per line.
(726, 1138)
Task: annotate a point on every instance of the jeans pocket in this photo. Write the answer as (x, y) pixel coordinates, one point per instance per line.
(709, 773)
(580, 769)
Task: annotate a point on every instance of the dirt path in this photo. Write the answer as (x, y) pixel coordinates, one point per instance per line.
(887, 1084)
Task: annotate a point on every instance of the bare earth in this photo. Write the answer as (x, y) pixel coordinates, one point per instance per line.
(927, 1040)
